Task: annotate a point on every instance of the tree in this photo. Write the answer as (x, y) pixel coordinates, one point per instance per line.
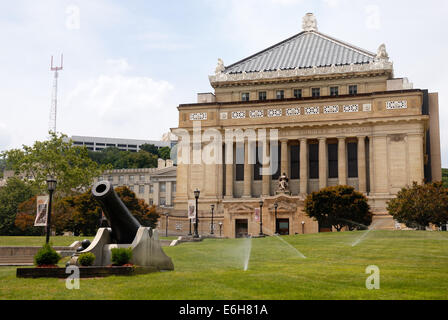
(146, 215)
(118, 159)
(26, 214)
(445, 177)
(56, 157)
(150, 148)
(11, 196)
(340, 207)
(165, 153)
(420, 205)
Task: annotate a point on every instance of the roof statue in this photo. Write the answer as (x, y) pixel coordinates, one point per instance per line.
(220, 67)
(309, 22)
(382, 53)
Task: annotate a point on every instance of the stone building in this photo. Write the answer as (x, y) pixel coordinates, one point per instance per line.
(341, 117)
(157, 186)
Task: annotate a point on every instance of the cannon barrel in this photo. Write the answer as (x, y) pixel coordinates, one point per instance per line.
(124, 225)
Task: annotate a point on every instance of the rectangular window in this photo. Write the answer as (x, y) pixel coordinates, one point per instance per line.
(280, 94)
(295, 162)
(333, 161)
(239, 167)
(352, 159)
(258, 164)
(110, 179)
(352, 90)
(297, 93)
(162, 187)
(111, 145)
(334, 91)
(121, 179)
(262, 96)
(131, 178)
(142, 178)
(315, 92)
(141, 189)
(245, 96)
(151, 188)
(279, 163)
(162, 202)
(314, 161)
(174, 187)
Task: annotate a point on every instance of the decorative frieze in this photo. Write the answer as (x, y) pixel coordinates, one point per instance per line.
(392, 105)
(274, 113)
(367, 107)
(239, 115)
(311, 110)
(331, 109)
(256, 114)
(223, 115)
(351, 108)
(293, 112)
(198, 116)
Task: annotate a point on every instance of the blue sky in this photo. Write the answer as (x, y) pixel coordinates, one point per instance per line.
(128, 64)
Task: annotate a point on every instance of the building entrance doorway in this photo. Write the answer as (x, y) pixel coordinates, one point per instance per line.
(283, 227)
(241, 228)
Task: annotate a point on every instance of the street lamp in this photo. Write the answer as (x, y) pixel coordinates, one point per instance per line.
(166, 224)
(276, 224)
(220, 227)
(211, 227)
(303, 227)
(261, 217)
(51, 184)
(196, 196)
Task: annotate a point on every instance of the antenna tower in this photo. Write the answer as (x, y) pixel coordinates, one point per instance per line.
(54, 100)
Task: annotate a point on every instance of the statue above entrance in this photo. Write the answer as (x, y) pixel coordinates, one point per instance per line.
(283, 185)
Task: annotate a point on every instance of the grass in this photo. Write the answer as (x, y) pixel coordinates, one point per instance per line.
(413, 265)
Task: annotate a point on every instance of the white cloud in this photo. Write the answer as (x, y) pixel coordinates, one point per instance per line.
(5, 137)
(118, 65)
(119, 106)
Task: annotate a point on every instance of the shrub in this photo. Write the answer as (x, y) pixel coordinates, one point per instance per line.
(420, 205)
(121, 256)
(339, 206)
(46, 256)
(86, 259)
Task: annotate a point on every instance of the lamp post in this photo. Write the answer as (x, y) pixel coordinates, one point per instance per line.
(276, 224)
(51, 184)
(303, 227)
(166, 224)
(196, 196)
(261, 217)
(220, 227)
(211, 226)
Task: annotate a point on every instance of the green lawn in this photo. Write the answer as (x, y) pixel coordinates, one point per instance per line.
(413, 265)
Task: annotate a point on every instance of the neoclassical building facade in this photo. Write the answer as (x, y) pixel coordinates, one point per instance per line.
(340, 117)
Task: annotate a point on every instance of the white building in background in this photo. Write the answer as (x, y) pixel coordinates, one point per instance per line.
(100, 143)
(157, 186)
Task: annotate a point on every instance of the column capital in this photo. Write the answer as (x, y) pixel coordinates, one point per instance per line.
(362, 137)
(341, 138)
(284, 140)
(305, 140)
(322, 139)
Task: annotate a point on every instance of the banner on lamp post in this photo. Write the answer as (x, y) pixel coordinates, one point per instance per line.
(192, 210)
(257, 214)
(42, 211)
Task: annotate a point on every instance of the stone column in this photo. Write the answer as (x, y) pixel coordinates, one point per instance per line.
(362, 169)
(303, 166)
(229, 171)
(266, 183)
(248, 171)
(284, 158)
(323, 163)
(342, 162)
(168, 193)
(156, 194)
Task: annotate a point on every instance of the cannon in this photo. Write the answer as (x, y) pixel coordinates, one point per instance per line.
(124, 232)
(124, 225)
